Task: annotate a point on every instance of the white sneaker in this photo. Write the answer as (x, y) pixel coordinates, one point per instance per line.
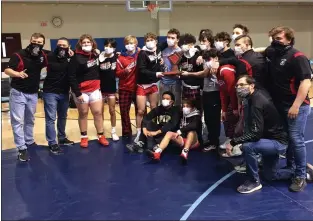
(223, 146)
(235, 152)
(114, 137)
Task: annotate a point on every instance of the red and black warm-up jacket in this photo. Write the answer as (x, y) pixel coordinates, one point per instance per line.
(84, 73)
(286, 71)
(250, 63)
(227, 80)
(127, 81)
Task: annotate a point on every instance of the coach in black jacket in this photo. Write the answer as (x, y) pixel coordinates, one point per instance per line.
(265, 137)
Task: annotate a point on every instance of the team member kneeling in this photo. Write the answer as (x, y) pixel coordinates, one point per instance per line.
(187, 135)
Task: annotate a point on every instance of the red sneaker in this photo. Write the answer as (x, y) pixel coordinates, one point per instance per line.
(84, 142)
(184, 156)
(103, 141)
(154, 155)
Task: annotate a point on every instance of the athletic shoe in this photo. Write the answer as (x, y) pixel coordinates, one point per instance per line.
(223, 146)
(298, 184)
(249, 187)
(65, 142)
(103, 141)
(115, 137)
(84, 142)
(154, 155)
(23, 155)
(55, 149)
(136, 147)
(184, 156)
(309, 173)
(209, 148)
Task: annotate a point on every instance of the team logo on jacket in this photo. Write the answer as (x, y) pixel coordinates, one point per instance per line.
(187, 67)
(283, 62)
(92, 63)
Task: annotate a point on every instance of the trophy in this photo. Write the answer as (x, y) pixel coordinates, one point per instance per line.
(174, 59)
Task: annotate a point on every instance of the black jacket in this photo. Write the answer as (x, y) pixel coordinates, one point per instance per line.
(168, 119)
(190, 122)
(148, 63)
(264, 120)
(56, 80)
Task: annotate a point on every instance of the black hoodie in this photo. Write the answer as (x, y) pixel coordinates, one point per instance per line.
(167, 118)
(190, 122)
(148, 63)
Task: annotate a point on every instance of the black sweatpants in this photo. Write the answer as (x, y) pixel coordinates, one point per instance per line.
(150, 142)
(212, 115)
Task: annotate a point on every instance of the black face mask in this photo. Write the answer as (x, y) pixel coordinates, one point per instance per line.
(279, 47)
(35, 49)
(61, 52)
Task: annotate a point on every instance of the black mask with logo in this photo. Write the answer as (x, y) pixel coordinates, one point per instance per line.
(279, 47)
(35, 49)
(61, 52)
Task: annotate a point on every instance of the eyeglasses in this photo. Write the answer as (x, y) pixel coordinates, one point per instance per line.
(241, 85)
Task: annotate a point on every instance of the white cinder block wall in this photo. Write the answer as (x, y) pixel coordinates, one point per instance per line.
(114, 21)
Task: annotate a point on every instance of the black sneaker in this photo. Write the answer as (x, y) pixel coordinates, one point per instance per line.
(55, 149)
(249, 187)
(298, 184)
(23, 155)
(66, 142)
(309, 173)
(136, 147)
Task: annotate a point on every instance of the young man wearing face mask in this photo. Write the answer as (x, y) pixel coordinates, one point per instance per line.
(267, 137)
(24, 68)
(171, 83)
(239, 29)
(107, 67)
(186, 136)
(290, 75)
(157, 123)
(126, 71)
(149, 64)
(191, 84)
(56, 95)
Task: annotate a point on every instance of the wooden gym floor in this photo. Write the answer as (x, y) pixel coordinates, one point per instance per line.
(72, 128)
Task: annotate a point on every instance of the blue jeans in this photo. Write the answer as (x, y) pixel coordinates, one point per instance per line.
(22, 110)
(296, 152)
(55, 104)
(269, 150)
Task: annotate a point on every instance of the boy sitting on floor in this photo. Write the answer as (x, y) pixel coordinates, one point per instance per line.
(186, 137)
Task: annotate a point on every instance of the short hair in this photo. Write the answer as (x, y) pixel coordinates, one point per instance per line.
(243, 28)
(38, 35)
(223, 36)
(64, 39)
(110, 41)
(86, 36)
(289, 33)
(130, 38)
(187, 39)
(150, 35)
(247, 39)
(212, 53)
(175, 32)
(170, 94)
(191, 103)
(249, 79)
(206, 34)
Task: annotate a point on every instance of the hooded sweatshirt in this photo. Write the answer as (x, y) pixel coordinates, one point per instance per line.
(84, 72)
(127, 81)
(190, 122)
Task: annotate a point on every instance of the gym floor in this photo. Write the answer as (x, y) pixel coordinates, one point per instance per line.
(110, 184)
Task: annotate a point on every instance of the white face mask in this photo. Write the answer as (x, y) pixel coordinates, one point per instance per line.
(130, 47)
(87, 48)
(192, 51)
(185, 48)
(238, 51)
(108, 50)
(170, 42)
(234, 36)
(165, 103)
(203, 47)
(150, 45)
(219, 45)
(186, 110)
